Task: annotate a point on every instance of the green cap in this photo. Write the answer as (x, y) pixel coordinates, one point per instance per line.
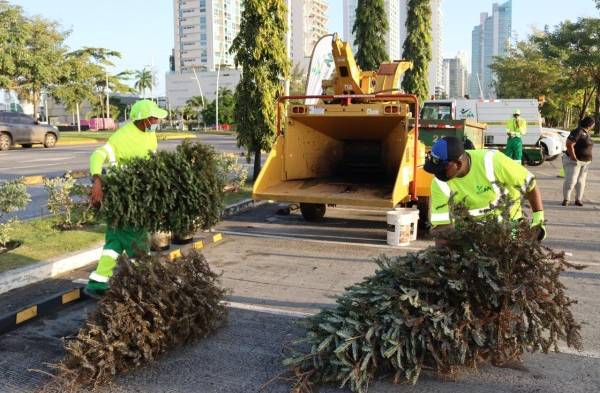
(144, 109)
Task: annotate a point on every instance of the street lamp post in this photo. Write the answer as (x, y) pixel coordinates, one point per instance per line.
(201, 94)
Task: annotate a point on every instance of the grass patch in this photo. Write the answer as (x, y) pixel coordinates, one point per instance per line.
(245, 192)
(41, 242)
(596, 138)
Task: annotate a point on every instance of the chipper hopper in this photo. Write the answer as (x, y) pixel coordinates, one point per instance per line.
(358, 148)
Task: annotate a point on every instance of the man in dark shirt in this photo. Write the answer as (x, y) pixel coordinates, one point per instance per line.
(577, 160)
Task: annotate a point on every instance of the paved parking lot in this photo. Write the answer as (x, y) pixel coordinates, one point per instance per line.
(281, 268)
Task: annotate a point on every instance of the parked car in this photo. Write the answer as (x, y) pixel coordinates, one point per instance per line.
(21, 129)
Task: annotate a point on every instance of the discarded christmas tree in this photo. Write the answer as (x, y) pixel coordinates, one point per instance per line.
(152, 307)
(492, 293)
(169, 192)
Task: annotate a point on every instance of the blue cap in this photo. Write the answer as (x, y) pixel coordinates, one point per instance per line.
(443, 151)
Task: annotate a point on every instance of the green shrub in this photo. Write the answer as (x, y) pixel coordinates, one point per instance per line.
(13, 197)
(231, 170)
(492, 293)
(170, 192)
(68, 200)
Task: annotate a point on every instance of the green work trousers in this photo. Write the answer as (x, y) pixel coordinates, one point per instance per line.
(514, 148)
(117, 241)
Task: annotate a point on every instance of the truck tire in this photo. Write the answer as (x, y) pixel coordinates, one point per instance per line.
(547, 154)
(423, 207)
(313, 212)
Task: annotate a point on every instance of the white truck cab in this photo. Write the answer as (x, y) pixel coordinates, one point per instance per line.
(537, 146)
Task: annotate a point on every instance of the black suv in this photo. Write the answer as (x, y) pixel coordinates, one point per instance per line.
(20, 129)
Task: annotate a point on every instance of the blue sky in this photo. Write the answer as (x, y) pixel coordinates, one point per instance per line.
(142, 30)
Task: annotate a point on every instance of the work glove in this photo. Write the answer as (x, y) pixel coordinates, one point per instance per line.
(537, 222)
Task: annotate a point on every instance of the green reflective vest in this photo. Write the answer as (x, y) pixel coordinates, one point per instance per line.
(126, 143)
(479, 188)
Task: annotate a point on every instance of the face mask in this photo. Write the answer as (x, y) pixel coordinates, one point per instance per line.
(152, 128)
(442, 177)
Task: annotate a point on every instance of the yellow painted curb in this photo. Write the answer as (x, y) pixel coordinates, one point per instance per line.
(33, 180)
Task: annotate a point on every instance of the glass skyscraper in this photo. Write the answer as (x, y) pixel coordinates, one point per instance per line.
(489, 39)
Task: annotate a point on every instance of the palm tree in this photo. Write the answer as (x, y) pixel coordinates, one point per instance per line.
(144, 79)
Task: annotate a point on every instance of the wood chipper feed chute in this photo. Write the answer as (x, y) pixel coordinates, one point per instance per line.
(360, 154)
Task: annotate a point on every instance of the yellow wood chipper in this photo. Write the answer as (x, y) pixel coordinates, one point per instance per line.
(358, 146)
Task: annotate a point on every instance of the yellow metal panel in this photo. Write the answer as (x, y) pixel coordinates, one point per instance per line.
(423, 183)
(217, 238)
(272, 171)
(198, 245)
(174, 255)
(71, 295)
(26, 314)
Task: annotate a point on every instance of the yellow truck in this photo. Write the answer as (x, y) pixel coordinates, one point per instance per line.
(358, 146)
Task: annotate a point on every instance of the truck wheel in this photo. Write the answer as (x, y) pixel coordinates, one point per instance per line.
(313, 212)
(423, 206)
(547, 155)
(5, 142)
(49, 140)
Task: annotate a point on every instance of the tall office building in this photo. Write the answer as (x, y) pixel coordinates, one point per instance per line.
(489, 39)
(456, 81)
(397, 11)
(308, 24)
(437, 59)
(204, 31)
(394, 38)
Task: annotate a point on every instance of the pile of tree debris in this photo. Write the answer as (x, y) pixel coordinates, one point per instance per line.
(492, 293)
(153, 306)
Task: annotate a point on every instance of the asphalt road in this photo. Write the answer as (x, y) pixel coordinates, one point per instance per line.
(51, 162)
(280, 268)
(56, 161)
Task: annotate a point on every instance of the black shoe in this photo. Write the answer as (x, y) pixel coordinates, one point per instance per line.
(578, 203)
(565, 203)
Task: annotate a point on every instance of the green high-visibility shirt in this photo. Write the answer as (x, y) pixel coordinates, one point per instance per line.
(516, 127)
(126, 143)
(479, 188)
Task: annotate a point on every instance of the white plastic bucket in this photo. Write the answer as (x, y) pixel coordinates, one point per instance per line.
(415, 220)
(399, 228)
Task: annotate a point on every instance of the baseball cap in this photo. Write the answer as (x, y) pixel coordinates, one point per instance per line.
(443, 151)
(517, 112)
(144, 109)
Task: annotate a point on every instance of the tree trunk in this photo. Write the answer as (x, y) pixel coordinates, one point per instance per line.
(78, 119)
(257, 163)
(597, 112)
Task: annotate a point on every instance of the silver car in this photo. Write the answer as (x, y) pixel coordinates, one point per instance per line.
(20, 129)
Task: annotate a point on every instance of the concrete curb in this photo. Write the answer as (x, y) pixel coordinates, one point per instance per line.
(244, 205)
(92, 141)
(31, 274)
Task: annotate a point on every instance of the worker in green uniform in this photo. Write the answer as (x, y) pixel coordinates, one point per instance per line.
(515, 128)
(474, 178)
(137, 138)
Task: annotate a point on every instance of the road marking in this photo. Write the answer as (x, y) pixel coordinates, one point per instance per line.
(267, 310)
(48, 159)
(288, 236)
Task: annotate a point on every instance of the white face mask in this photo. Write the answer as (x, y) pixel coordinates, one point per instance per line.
(152, 128)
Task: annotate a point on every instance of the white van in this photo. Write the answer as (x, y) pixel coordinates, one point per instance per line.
(537, 146)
